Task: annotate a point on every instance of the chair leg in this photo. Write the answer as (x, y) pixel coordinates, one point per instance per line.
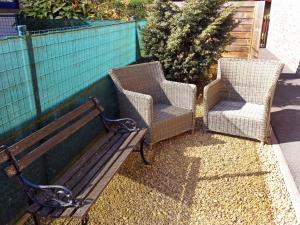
(267, 140)
(85, 220)
(204, 129)
(142, 151)
(36, 219)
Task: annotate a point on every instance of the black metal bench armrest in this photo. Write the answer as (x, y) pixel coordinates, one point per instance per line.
(53, 196)
(119, 125)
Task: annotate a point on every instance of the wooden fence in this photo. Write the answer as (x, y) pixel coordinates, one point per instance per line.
(249, 15)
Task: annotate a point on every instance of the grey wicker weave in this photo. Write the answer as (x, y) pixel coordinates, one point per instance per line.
(166, 108)
(238, 102)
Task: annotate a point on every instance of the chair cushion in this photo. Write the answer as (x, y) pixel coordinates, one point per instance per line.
(164, 112)
(237, 118)
(170, 121)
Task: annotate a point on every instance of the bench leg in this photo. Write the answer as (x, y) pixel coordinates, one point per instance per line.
(85, 220)
(142, 151)
(36, 219)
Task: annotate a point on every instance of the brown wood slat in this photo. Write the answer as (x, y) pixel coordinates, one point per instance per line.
(56, 139)
(243, 15)
(101, 182)
(241, 34)
(87, 183)
(100, 143)
(232, 48)
(90, 165)
(236, 54)
(245, 21)
(45, 131)
(243, 28)
(245, 9)
(242, 3)
(241, 42)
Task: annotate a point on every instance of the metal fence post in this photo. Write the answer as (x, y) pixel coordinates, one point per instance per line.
(22, 32)
(137, 43)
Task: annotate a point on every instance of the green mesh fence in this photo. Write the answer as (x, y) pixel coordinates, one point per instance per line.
(34, 24)
(45, 75)
(16, 94)
(67, 62)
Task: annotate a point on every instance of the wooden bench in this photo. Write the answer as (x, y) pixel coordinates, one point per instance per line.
(78, 188)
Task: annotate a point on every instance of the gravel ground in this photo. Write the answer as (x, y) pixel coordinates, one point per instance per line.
(197, 179)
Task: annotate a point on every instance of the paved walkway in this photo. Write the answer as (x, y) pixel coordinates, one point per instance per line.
(285, 119)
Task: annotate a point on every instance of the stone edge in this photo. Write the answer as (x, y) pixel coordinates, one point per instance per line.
(287, 176)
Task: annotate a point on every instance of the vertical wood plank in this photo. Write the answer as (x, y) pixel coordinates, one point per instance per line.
(259, 16)
(248, 32)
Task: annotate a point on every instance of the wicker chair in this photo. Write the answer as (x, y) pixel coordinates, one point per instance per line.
(238, 102)
(166, 108)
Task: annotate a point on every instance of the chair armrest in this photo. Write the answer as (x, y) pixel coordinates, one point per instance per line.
(212, 94)
(52, 196)
(180, 94)
(267, 102)
(136, 106)
(119, 125)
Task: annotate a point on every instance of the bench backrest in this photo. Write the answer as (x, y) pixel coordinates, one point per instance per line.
(70, 122)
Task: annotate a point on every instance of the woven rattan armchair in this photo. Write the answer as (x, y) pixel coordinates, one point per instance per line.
(166, 108)
(238, 102)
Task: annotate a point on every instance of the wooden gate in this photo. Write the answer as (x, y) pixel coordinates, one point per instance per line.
(249, 15)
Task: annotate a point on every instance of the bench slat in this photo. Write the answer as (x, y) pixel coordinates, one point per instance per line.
(76, 167)
(101, 143)
(85, 183)
(89, 165)
(56, 139)
(100, 182)
(74, 181)
(99, 176)
(45, 131)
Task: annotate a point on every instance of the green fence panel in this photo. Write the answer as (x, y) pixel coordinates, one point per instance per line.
(16, 95)
(67, 62)
(17, 110)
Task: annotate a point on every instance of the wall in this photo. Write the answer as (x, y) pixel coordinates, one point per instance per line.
(284, 33)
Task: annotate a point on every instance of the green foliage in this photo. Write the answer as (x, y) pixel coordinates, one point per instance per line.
(158, 29)
(55, 9)
(137, 8)
(188, 40)
(84, 9)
